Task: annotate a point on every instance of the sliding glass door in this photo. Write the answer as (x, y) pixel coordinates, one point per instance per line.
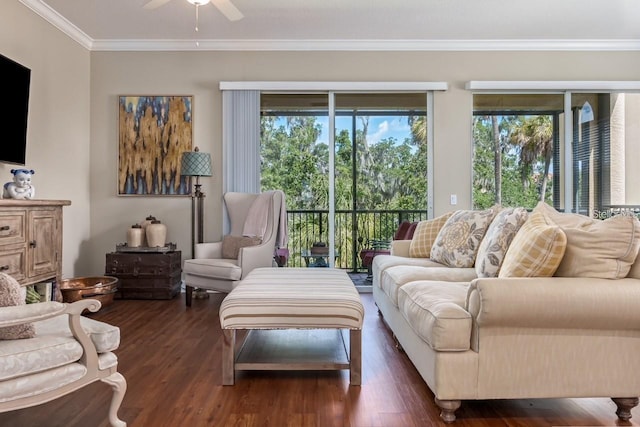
(350, 187)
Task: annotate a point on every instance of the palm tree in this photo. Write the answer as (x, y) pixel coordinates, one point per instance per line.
(533, 135)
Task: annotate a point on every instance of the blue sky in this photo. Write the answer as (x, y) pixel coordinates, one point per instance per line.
(380, 127)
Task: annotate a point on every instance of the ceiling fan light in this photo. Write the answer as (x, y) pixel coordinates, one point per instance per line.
(199, 2)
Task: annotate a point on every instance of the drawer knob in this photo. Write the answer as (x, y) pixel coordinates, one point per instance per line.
(5, 228)
(4, 267)
(32, 244)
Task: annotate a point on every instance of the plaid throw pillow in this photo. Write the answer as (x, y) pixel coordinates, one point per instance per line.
(536, 250)
(425, 234)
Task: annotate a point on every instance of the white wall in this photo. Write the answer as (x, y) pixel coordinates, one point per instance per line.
(58, 139)
(199, 73)
(73, 122)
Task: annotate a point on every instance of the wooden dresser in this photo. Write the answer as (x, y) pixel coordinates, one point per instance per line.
(31, 239)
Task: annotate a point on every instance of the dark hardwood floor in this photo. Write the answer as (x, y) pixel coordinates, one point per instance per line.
(170, 356)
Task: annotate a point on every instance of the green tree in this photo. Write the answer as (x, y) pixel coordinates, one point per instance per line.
(533, 135)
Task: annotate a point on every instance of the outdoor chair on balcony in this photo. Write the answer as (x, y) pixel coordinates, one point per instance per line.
(375, 247)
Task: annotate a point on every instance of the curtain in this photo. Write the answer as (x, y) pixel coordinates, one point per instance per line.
(241, 140)
(240, 143)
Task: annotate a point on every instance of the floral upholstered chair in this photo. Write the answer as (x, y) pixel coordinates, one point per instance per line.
(49, 349)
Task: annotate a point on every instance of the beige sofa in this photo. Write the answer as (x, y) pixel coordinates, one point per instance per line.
(521, 337)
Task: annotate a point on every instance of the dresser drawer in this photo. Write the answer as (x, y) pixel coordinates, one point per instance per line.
(13, 261)
(12, 227)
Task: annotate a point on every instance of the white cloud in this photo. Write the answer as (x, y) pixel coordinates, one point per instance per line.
(383, 129)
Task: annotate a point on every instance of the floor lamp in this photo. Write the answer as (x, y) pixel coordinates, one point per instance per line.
(195, 163)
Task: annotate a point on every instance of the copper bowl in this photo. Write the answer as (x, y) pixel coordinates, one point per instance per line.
(102, 288)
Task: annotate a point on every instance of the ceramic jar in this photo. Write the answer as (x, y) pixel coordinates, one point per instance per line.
(135, 236)
(156, 234)
(144, 225)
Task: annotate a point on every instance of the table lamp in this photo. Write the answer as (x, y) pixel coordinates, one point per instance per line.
(195, 163)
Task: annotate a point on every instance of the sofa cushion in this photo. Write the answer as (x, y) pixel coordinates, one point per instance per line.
(596, 248)
(536, 250)
(496, 241)
(53, 345)
(13, 294)
(457, 242)
(395, 277)
(231, 245)
(425, 234)
(635, 268)
(105, 337)
(435, 312)
(382, 262)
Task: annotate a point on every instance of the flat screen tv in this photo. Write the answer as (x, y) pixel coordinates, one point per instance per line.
(15, 80)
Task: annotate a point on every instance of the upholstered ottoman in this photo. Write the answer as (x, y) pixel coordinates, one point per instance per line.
(270, 300)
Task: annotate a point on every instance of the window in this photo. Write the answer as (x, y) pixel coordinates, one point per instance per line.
(574, 150)
(516, 143)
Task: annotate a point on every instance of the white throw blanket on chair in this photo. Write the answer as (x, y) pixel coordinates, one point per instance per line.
(255, 225)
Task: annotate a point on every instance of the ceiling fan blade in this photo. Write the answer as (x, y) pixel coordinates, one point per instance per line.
(154, 4)
(227, 9)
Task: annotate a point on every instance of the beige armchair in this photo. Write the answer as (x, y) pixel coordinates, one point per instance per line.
(258, 220)
(68, 352)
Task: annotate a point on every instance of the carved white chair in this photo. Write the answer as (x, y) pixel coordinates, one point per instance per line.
(68, 351)
(215, 266)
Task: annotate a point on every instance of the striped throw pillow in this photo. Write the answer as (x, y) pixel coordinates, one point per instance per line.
(536, 250)
(425, 234)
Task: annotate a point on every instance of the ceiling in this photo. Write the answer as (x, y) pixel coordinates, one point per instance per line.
(351, 24)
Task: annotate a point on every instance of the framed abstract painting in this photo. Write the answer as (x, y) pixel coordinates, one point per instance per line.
(153, 132)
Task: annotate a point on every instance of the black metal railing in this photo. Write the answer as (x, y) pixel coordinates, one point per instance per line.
(354, 230)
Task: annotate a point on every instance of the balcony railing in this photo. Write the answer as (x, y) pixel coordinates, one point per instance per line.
(353, 231)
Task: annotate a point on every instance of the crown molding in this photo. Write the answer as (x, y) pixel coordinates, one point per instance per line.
(366, 45)
(83, 39)
(59, 21)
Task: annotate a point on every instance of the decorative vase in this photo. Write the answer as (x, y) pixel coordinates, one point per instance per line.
(144, 225)
(135, 236)
(156, 234)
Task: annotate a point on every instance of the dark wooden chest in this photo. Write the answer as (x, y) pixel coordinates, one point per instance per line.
(145, 275)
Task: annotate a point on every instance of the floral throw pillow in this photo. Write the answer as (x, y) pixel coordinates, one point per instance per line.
(458, 241)
(495, 243)
(12, 294)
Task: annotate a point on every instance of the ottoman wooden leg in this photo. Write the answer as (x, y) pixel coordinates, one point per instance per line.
(228, 356)
(355, 356)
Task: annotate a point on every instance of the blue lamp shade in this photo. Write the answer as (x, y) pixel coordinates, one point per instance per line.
(195, 163)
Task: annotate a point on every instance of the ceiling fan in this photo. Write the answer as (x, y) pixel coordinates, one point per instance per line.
(224, 6)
